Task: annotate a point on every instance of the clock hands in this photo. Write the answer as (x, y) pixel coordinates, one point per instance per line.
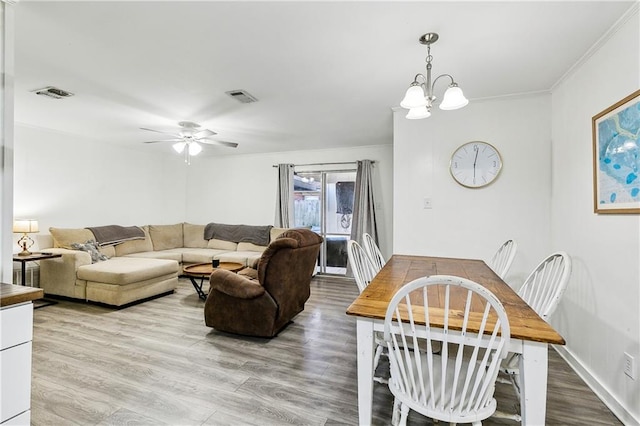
(475, 160)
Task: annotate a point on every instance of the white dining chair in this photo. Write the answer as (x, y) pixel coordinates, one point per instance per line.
(373, 251)
(361, 265)
(542, 290)
(503, 258)
(363, 273)
(457, 383)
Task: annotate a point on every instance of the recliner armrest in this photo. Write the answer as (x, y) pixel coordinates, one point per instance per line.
(235, 285)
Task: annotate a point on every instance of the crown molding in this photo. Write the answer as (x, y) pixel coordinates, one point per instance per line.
(629, 14)
(9, 1)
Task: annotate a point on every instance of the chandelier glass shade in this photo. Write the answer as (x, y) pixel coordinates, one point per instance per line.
(419, 97)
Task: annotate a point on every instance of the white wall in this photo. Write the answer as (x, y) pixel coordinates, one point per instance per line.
(66, 181)
(467, 222)
(599, 314)
(242, 188)
(7, 27)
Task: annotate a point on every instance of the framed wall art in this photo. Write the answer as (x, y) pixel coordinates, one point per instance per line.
(616, 157)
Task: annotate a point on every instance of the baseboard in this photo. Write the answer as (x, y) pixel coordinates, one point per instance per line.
(601, 392)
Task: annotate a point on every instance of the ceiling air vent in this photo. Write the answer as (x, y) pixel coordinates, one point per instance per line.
(242, 96)
(53, 92)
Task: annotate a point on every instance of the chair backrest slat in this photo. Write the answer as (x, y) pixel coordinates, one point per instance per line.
(503, 258)
(544, 287)
(458, 385)
(363, 270)
(373, 251)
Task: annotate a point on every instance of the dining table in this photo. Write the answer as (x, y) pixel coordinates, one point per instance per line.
(530, 334)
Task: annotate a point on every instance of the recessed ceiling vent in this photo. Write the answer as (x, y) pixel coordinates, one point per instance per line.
(242, 96)
(53, 92)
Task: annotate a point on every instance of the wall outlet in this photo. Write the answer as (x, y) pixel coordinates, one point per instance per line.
(426, 203)
(629, 366)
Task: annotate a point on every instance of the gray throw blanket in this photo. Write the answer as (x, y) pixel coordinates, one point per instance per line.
(258, 235)
(114, 234)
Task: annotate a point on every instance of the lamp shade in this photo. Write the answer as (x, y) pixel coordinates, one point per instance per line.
(179, 147)
(25, 226)
(414, 98)
(417, 113)
(453, 98)
(194, 148)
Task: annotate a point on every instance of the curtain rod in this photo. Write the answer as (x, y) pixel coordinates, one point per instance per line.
(324, 164)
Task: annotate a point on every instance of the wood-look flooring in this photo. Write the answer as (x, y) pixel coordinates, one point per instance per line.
(156, 363)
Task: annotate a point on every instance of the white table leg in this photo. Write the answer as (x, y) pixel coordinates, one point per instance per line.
(533, 382)
(365, 370)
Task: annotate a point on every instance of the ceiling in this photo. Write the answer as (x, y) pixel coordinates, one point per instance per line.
(326, 74)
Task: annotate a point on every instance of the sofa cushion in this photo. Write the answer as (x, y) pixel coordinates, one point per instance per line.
(109, 251)
(135, 246)
(246, 258)
(194, 255)
(90, 247)
(194, 236)
(275, 233)
(64, 237)
(222, 245)
(162, 254)
(166, 236)
(250, 247)
(127, 270)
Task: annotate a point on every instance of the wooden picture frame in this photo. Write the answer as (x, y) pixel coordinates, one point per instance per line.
(616, 157)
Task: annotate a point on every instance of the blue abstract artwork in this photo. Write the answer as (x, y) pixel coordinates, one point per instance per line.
(617, 162)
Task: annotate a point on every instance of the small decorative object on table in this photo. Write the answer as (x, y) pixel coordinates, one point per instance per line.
(25, 226)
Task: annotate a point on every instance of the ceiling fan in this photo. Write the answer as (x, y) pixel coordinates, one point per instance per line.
(189, 138)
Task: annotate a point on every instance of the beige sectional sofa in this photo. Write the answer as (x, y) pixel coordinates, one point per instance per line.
(135, 269)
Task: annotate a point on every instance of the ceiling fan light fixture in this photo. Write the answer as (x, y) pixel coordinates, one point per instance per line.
(194, 148)
(179, 147)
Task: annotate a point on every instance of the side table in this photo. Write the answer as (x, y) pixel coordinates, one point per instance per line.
(23, 271)
(204, 270)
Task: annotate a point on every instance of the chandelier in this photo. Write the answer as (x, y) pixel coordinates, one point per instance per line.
(420, 98)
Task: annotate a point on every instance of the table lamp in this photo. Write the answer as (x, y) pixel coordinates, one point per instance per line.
(25, 226)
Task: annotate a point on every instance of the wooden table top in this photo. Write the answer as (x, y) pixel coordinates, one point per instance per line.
(13, 294)
(525, 323)
(205, 269)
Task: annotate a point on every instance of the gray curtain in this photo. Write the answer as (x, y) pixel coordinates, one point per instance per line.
(364, 206)
(284, 202)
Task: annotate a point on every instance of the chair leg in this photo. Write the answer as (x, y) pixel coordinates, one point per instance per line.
(503, 415)
(376, 356)
(404, 414)
(395, 412)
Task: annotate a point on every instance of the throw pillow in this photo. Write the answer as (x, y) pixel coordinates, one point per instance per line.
(90, 247)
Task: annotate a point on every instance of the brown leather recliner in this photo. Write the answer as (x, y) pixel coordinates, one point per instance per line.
(262, 307)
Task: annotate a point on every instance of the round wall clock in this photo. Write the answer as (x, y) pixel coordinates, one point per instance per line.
(475, 164)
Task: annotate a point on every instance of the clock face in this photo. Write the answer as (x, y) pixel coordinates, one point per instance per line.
(475, 164)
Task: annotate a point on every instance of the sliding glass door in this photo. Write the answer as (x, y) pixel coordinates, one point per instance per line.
(323, 201)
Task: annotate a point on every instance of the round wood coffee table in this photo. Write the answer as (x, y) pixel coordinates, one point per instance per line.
(204, 270)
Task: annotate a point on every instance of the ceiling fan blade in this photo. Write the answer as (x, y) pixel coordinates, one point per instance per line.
(215, 142)
(204, 133)
(166, 140)
(159, 131)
